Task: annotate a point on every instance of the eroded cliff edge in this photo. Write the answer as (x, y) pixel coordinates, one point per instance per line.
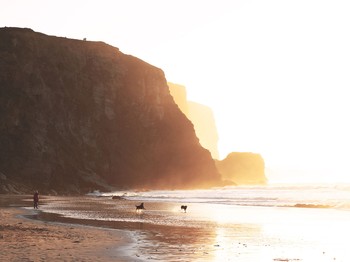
(240, 168)
(79, 115)
(201, 116)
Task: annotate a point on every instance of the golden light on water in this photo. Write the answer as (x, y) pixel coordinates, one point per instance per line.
(305, 234)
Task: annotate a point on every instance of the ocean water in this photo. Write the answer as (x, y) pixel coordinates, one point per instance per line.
(245, 223)
(335, 196)
(163, 206)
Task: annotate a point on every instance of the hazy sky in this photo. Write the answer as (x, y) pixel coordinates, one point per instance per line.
(275, 72)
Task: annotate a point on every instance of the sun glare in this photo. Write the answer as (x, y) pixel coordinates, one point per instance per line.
(275, 73)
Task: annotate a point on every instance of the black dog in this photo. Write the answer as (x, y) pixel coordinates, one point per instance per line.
(184, 208)
(140, 207)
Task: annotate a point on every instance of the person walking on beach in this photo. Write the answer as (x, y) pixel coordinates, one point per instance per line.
(36, 199)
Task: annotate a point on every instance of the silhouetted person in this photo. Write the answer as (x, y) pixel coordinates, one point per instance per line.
(36, 199)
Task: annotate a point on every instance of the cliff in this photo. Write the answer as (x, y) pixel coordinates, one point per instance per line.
(179, 94)
(243, 168)
(201, 116)
(203, 120)
(79, 115)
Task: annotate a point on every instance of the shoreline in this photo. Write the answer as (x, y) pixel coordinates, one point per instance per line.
(26, 239)
(102, 229)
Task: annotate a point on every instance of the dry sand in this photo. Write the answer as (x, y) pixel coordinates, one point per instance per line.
(28, 240)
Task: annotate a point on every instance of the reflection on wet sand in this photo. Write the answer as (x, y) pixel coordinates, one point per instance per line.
(210, 232)
(161, 231)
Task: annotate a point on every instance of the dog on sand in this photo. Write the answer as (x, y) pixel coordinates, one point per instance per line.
(140, 207)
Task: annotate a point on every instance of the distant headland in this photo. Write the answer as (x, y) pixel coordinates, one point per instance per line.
(241, 168)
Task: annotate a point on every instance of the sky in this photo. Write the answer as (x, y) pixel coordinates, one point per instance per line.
(276, 73)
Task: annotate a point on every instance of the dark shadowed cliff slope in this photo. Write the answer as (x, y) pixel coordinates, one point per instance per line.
(79, 115)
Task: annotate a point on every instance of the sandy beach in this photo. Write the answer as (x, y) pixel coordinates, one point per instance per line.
(102, 229)
(23, 239)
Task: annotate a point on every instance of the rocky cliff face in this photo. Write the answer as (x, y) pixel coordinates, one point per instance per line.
(201, 116)
(179, 94)
(78, 115)
(243, 168)
(203, 120)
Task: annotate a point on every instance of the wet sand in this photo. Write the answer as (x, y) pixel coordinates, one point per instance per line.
(162, 232)
(23, 239)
